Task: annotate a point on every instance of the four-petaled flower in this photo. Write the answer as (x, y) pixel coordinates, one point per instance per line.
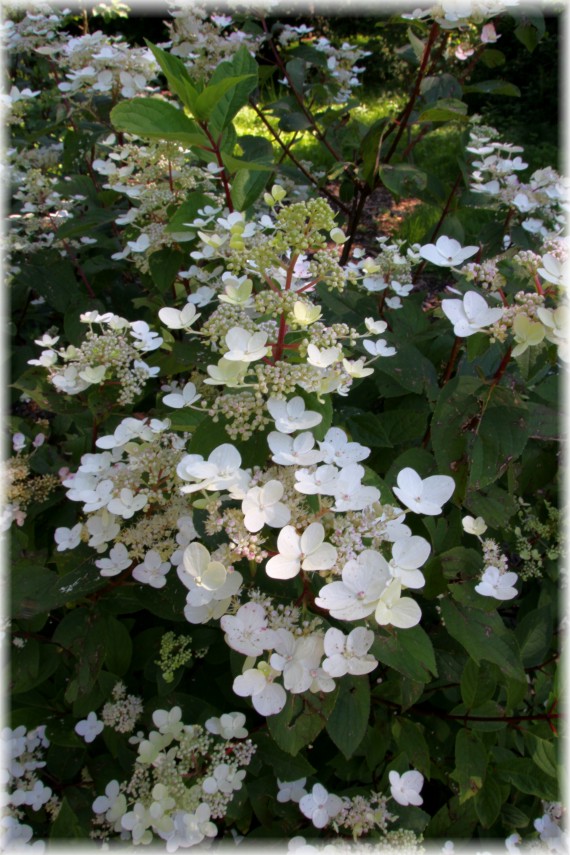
(447, 252)
(406, 788)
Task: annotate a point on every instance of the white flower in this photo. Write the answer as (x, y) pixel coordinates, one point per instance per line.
(474, 526)
(291, 415)
(322, 481)
(146, 339)
(319, 806)
(68, 538)
(291, 791)
(244, 346)
(375, 327)
(179, 319)
(297, 658)
(471, 314)
(293, 451)
(89, 727)
(336, 449)
(226, 779)
(357, 368)
(225, 373)
(363, 581)
(117, 561)
(307, 551)
(348, 491)
(447, 252)
(323, 357)
(424, 496)
(228, 725)
(408, 554)
(267, 697)
(220, 472)
(152, 571)
(184, 398)
(199, 569)
(553, 270)
(394, 610)
(348, 654)
(102, 529)
(261, 506)
(247, 631)
(378, 348)
(127, 503)
(496, 584)
(113, 804)
(406, 788)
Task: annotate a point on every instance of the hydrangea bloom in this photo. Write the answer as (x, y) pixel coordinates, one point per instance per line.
(307, 551)
(319, 806)
(406, 788)
(424, 496)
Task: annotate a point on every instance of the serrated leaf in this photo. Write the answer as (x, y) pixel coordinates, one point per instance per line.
(176, 74)
(488, 801)
(67, 824)
(543, 753)
(154, 119)
(534, 635)
(347, 723)
(410, 738)
(402, 179)
(409, 651)
(484, 636)
(478, 684)
(494, 87)
(470, 763)
(208, 99)
(301, 720)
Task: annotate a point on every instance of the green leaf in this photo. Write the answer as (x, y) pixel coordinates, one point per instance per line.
(154, 119)
(409, 651)
(445, 110)
(501, 438)
(528, 36)
(36, 590)
(285, 767)
(118, 645)
(478, 684)
(492, 58)
(470, 763)
(484, 636)
(177, 76)
(494, 87)
(164, 266)
(208, 100)
(67, 825)
(243, 65)
(418, 46)
(524, 775)
(409, 737)
(367, 429)
(534, 635)
(403, 179)
(347, 723)
(543, 753)
(248, 185)
(233, 164)
(488, 801)
(301, 720)
(187, 212)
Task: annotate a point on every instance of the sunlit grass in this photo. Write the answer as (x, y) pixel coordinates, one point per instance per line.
(306, 147)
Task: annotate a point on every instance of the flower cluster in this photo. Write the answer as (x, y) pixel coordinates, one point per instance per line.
(22, 752)
(184, 777)
(113, 355)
